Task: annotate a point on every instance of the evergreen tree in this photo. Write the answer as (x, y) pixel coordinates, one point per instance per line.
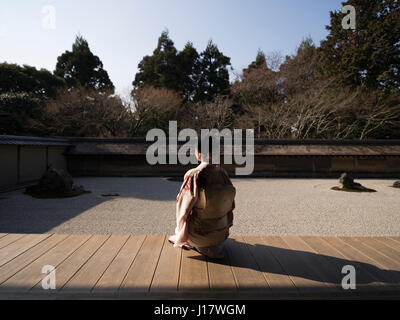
(80, 67)
(261, 61)
(188, 65)
(23, 91)
(370, 54)
(26, 79)
(195, 77)
(160, 69)
(21, 113)
(212, 78)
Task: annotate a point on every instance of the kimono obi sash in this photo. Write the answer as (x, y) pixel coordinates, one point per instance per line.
(211, 209)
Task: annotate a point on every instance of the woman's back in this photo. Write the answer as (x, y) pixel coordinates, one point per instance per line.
(216, 193)
(211, 216)
(204, 209)
(212, 174)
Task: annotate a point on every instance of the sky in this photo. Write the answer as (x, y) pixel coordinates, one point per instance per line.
(122, 32)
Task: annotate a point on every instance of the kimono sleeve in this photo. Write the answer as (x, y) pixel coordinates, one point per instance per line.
(185, 201)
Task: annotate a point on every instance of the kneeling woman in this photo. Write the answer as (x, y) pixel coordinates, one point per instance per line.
(204, 210)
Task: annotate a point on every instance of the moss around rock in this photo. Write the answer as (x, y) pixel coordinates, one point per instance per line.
(347, 184)
(352, 190)
(55, 183)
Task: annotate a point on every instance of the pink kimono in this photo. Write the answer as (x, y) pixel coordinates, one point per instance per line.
(204, 210)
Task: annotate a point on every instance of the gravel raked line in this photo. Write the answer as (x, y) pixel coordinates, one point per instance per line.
(263, 207)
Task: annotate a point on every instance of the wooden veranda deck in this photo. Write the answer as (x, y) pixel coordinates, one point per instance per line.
(148, 267)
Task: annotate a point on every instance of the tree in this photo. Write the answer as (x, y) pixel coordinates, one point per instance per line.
(160, 69)
(212, 78)
(168, 68)
(188, 60)
(300, 71)
(153, 108)
(370, 54)
(20, 114)
(196, 77)
(259, 86)
(255, 91)
(86, 112)
(215, 114)
(80, 67)
(39, 83)
(23, 91)
(260, 61)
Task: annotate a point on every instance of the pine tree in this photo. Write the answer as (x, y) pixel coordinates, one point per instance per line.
(26, 79)
(196, 77)
(370, 54)
(188, 65)
(260, 61)
(212, 78)
(160, 69)
(80, 67)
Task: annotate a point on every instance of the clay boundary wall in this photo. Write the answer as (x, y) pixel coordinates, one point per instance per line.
(24, 159)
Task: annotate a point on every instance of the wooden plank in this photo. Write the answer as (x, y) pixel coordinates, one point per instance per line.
(295, 266)
(166, 276)
(245, 269)
(71, 265)
(379, 259)
(20, 262)
(387, 265)
(21, 245)
(390, 242)
(365, 280)
(32, 274)
(193, 275)
(396, 239)
(112, 278)
(140, 264)
(360, 258)
(220, 274)
(10, 238)
(140, 275)
(277, 278)
(86, 278)
(319, 265)
(382, 248)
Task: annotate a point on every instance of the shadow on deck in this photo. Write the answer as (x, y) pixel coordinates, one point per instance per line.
(148, 267)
